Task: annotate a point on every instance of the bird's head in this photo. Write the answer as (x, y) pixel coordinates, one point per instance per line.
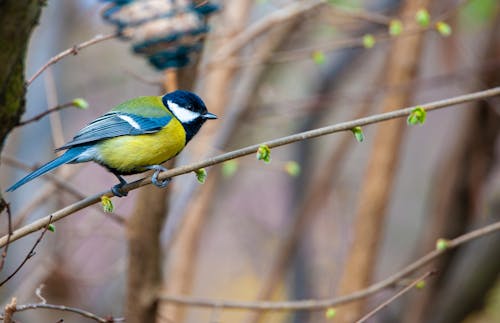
(189, 109)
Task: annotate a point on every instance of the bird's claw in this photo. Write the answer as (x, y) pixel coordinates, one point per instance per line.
(154, 179)
(118, 190)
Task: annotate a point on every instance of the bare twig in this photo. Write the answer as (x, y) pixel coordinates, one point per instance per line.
(361, 14)
(146, 80)
(314, 197)
(262, 25)
(63, 308)
(301, 53)
(402, 64)
(193, 216)
(46, 112)
(312, 305)
(38, 293)
(6, 206)
(30, 254)
(343, 126)
(327, 47)
(71, 51)
(451, 11)
(394, 297)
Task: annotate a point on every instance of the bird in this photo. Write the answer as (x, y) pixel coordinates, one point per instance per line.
(135, 136)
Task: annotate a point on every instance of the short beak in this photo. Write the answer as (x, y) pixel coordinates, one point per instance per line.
(209, 115)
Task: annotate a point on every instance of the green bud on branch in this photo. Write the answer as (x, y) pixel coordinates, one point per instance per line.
(358, 134)
(423, 18)
(264, 153)
(443, 28)
(80, 103)
(395, 27)
(417, 116)
(107, 204)
(201, 175)
(368, 41)
(442, 244)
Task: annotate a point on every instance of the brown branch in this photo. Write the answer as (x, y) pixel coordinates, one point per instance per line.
(249, 150)
(462, 174)
(63, 308)
(146, 80)
(394, 297)
(402, 66)
(70, 51)
(190, 218)
(361, 14)
(353, 42)
(46, 112)
(30, 254)
(144, 276)
(6, 206)
(170, 80)
(312, 305)
(265, 24)
(450, 12)
(314, 197)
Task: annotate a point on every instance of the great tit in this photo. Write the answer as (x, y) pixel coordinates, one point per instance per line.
(137, 135)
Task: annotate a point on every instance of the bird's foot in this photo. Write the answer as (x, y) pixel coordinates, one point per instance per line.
(154, 179)
(118, 190)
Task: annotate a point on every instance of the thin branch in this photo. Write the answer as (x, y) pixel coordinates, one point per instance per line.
(46, 112)
(394, 297)
(63, 308)
(38, 293)
(30, 254)
(327, 47)
(314, 197)
(353, 42)
(71, 51)
(312, 305)
(361, 14)
(263, 25)
(343, 126)
(146, 80)
(6, 206)
(450, 12)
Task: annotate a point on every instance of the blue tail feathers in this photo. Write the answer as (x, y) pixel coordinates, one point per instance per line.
(67, 157)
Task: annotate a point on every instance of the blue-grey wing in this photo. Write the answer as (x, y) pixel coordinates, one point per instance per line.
(115, 124)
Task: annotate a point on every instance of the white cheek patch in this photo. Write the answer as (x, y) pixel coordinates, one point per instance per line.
(184, 115)
(130, 121)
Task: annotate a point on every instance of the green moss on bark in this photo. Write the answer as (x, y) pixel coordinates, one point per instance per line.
(18, 18)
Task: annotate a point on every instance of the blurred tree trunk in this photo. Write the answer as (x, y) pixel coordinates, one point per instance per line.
(144, 228)
(182, 266)
(18, 18)
(456, 202)
(376, 188)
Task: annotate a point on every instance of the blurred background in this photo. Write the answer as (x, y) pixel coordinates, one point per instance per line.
(283, 230)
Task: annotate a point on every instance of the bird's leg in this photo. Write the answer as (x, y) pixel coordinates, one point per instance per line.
(158, 169)
(117, 189)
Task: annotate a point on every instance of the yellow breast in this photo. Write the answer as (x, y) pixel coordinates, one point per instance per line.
(131, 154)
